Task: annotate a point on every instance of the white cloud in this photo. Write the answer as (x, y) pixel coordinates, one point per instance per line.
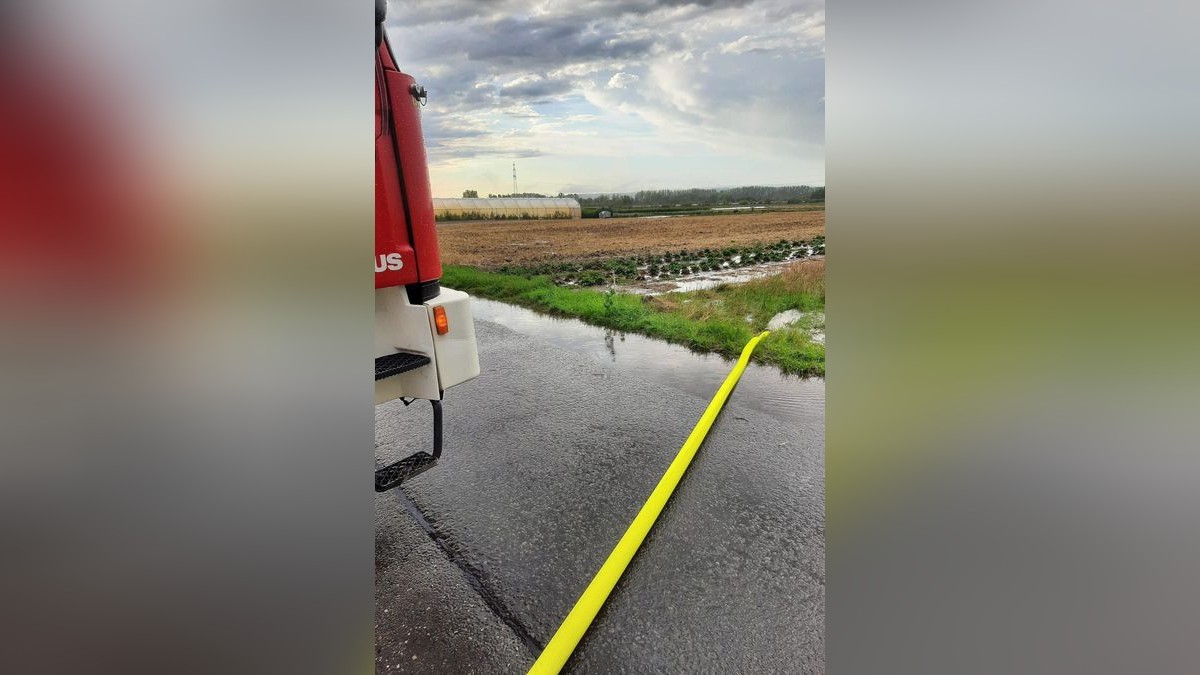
(622, 80)
(641, 82)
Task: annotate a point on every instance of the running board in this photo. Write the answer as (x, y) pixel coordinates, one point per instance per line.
(396, 473)
(400, 362)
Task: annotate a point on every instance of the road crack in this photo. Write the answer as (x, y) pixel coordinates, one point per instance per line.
(473, 577)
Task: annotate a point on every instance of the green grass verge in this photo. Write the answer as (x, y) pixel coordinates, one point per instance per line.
(719, 320)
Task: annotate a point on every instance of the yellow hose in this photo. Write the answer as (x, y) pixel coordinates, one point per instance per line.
(568, 635)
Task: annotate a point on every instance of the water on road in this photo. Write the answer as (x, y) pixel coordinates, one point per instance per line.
(786, 397)
(549, 454)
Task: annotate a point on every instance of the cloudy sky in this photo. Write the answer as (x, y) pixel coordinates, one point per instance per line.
(592, 96)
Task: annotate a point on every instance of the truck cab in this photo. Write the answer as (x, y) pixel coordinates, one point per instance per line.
(424, 333)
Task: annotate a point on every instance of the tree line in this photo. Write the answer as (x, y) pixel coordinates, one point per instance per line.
(756, 194)
(753, 194)
(518, 195)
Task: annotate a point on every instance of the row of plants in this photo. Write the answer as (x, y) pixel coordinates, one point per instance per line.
(671, 264)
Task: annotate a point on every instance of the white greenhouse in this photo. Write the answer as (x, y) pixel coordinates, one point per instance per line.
(505, 208)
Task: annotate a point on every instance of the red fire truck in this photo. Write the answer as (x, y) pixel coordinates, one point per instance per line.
(424, 334)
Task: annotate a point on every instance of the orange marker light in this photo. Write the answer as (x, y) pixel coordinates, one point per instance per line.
(440, 320)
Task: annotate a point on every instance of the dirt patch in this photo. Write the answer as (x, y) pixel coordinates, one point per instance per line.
(492, 243)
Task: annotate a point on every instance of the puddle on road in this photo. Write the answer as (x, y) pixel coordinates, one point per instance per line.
(763, 388)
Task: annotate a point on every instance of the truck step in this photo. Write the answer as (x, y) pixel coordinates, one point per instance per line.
(401, 362)
(393, 475)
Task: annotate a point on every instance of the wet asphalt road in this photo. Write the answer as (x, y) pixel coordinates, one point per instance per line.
(548, 456)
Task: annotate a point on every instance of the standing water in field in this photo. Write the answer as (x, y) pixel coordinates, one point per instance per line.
(789, 398)
(703, 280)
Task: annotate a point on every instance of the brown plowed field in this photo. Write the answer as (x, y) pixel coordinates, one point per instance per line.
(492, 243)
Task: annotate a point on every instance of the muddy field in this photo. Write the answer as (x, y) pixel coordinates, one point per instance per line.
(493, 243)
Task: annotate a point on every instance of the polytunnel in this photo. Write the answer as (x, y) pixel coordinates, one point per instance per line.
(505, 208)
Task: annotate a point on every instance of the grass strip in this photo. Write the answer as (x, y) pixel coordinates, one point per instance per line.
(719, 320)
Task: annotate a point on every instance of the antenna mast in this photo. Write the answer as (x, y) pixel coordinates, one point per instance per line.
(514, 179)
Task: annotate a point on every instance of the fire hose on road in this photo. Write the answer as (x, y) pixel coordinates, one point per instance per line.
(573, 627)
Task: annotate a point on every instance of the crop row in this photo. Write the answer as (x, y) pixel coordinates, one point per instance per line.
(667, 265)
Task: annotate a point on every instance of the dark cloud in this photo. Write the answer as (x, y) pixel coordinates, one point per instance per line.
(549, 42)
(439, 128)
(407, 15)
(470, 60)
(707, 4)
(734, 69)
(411, 13)
(536, 89)
(455, 89)
(470, 152)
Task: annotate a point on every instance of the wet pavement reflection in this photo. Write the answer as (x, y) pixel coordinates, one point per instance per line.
(788, 398)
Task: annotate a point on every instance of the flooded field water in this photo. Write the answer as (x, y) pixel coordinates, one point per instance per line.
(710, 279)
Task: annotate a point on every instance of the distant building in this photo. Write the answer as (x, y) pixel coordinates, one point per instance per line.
(505, 208)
